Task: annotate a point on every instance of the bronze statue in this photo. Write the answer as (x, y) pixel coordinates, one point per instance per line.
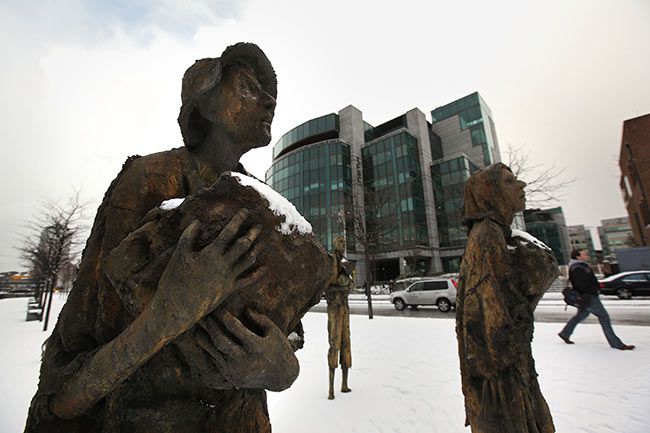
(338, 318)
(503, 275)
(179, 317)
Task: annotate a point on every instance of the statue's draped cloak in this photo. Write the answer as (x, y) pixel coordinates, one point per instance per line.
(501, 281)
(502, 278)
(338, 316)
(159, 398)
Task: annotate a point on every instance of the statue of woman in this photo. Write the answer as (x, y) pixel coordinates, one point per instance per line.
(110, 367)
(338, 317)
(503, 275)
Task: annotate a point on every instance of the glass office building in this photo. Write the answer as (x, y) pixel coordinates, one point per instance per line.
(402, 180)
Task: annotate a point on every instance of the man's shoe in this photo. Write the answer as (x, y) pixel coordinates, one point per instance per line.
(565, 339)
(627, 347)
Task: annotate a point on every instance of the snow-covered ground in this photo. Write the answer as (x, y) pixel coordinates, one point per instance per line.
(404, 377)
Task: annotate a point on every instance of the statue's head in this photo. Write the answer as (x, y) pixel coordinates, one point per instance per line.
(339, 244)
(235, 92)
(493, 192)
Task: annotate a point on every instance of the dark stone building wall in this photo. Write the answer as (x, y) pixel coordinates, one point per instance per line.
(635, 175)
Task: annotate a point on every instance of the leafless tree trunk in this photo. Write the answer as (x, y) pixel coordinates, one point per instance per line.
(373, 233)
(53, 245)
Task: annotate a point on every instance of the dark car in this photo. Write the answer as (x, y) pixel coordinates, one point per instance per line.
(626, 284)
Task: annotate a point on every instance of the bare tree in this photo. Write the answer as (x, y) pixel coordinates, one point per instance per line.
(52, 246)
(375, 228)
(545, 184)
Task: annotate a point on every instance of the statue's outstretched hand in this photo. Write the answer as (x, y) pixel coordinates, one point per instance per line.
(195, 282)
(248, 359)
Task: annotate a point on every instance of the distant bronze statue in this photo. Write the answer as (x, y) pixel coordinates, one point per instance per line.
(179, 317)
(503, 275)
(338, 318)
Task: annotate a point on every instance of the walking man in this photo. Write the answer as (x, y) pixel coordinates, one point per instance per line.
(584, 281)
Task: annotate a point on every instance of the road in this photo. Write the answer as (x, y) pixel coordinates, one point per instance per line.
(550, 309)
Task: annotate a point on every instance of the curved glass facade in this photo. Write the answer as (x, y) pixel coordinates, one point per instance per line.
(317, 179)
(394, 196)
(326, 126)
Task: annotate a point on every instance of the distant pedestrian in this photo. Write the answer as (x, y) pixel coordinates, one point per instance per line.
(584, 282)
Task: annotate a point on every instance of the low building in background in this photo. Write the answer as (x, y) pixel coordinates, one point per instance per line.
(634, 162)
(615, 234)
(14, 284)
(394, 190)
(603, 242)
(633, 259)
(549, 226)
(580, 239)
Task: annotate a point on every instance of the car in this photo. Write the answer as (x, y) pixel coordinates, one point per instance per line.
(404, 283)
(430, 291)
(626, 284)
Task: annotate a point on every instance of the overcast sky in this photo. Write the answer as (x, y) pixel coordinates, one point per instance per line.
(84, 84)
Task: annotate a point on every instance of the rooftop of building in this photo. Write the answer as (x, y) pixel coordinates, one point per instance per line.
(543, 215)
(615, 221)
(466, 102)
(635, 119)
(327, 127)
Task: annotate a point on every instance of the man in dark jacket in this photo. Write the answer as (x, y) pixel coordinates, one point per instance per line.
(584, 281)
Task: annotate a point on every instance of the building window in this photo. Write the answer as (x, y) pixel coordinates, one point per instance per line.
(317, 180)
(394, 196)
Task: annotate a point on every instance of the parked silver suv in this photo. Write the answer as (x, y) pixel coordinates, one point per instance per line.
(430, 291)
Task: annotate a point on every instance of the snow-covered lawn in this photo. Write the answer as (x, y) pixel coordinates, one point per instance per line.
(404, 377)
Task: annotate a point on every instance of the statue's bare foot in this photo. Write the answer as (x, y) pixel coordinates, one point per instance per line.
(345, 389)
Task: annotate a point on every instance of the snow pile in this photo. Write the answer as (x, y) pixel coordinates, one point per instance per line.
(279, 205)
(21, 358)
(528, 238)
(294, 337)
(172, 203)
(404, 378)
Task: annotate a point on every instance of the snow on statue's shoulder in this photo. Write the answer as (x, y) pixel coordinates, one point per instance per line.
(172, 203)
(279, 205)
(529, 238)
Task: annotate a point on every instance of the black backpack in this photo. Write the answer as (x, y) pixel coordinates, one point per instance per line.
(571, 297)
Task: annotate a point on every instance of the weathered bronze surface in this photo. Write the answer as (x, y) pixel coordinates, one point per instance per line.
(178, 319)
(502, 278)
(338, 318)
